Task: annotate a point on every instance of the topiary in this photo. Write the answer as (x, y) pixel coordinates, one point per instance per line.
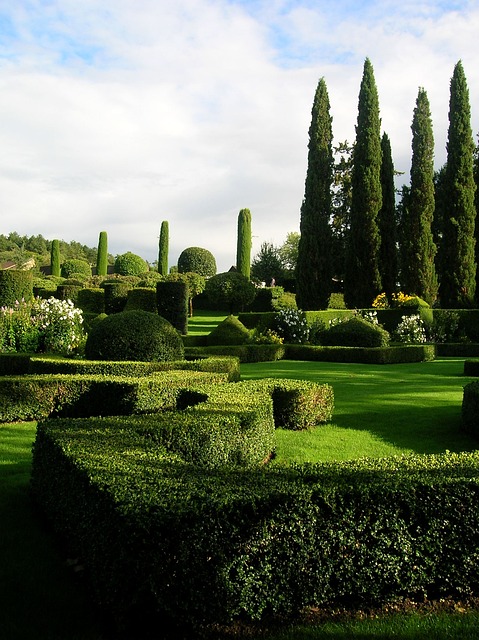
(197, 260)
(355, 332)
(134, 335)
(129, 264)
(230, 331)
(230, 290)
(75, 266)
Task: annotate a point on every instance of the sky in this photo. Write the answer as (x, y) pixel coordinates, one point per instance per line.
(116, 115)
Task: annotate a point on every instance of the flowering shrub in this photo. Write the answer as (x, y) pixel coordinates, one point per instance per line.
(59, 323)
(410, 330)
(381, 302)
(292, 326)
(17, 329)
(370, 316)
(267, 337)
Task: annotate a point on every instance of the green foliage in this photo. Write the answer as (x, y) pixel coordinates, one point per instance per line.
(314, 267)
(74, 265)
(198, 260)
(115, 295)
(355, 332)
(365, 355)
(230, 331)
(457, 260)
(266, 266)
(102, 254)
(245, 353)
(292, 325)
(55, 258)
(163, 246)
(244, 239)
(134, 335)
(410, 330)
(362, 278)
(91, 300)
(388, 254)
(15, 286)
(68, 291)
(172, 303)
(230, 290)
(470, 408)
(130, 264)
(141, 298)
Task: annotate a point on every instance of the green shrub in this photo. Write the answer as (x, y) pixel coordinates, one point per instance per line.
(197, 260)
(365, 355)
(172, 303)
(149, 279)
(260, 321)
(15, 286)
(457, 350)
(229, 331)
(134, 335)
(471, 368)
(91, 300)
(69, 267)
(143, 298)
(244, 352)
(68, 292)
(231, 291)
(115, 296)
(130, 264)
(355, 332)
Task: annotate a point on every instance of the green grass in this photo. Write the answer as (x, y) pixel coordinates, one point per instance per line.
(203, 322)
(380, 410)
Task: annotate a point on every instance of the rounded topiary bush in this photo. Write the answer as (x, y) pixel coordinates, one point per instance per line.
(230, 290)
(129, 264)
(197, 260)
(75, 266)
(134, 335)
(230, 331)
(355, 332)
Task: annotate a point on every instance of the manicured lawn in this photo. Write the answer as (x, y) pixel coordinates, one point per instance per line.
(380, 410)
(203, 322)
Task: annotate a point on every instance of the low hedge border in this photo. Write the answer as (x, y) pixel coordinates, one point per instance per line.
(165, 540)
(457, 350)
(245, 352)
(365, 355)
(471, 367)
(33, 397)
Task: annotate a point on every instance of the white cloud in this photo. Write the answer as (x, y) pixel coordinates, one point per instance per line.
(118, 115)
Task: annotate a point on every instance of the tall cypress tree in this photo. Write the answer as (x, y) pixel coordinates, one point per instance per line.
(388, 255)
(458, 275)
(243, 248)
(163, 246)
(476, 203)
(362, 281)
(55, 258)
(102, 255)
(314, 267)
(419, 273)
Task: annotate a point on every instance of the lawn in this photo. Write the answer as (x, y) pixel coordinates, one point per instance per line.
(380, 410)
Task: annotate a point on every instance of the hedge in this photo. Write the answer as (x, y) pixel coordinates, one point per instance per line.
(91, 300)
(15, 285)
(457, 350)
(33, 397)
(143, 298)
(471, 368)
(245, 352)
(166, 540)
(365, 355)
(470, 408)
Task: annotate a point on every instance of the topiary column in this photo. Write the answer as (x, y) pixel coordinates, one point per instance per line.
(172, 303)
(55, 258)
(102, 255)
(163, 249)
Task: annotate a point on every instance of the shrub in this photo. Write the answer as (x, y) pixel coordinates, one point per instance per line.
(172, 303)
(410, 330)
(129, 264)
(115, 296)
(68, 292)
(15, 286)
(355, 332)
(141, 298)
(69, 267)
(134, 335)
(292, 326)
(230, 290)
(229, 331)
(470, 409)
(17, 331)
(198, 260)
(91, 300)
(60, 325)
(444, 326)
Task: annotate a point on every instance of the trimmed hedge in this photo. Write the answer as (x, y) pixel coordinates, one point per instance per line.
(471, 368)
(165, 540)
(115, 295)
(245, 352)
(470, 408)
(365, 355)
(229, 331)
(42, 365)
(91, 300)
(355, 332)
(68, 292)
(457, 350)
(172, 303)
(143, 298)
(33, 397)
(15, 285)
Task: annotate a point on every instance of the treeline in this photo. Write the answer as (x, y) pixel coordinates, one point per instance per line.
(355, 230)
(20, 249)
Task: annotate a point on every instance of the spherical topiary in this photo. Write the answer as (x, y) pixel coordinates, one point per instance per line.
(230, 290)
(129, 264)
(74, 265)
(134, 335)
(355, 332)
(197, 260)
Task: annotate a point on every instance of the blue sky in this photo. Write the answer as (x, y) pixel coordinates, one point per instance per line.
(118, 114)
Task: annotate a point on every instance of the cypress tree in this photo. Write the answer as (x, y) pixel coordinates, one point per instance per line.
(476, 203)
(314, 266)
(243, 248)
(458, 276)
(362, 281)
(163, 246)
(419, 275)
(102, 255)
(55, 258)
(388, 256)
